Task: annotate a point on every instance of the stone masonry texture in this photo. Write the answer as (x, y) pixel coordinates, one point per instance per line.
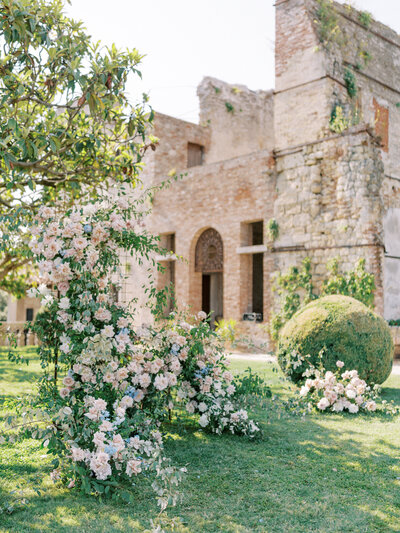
(275, 155)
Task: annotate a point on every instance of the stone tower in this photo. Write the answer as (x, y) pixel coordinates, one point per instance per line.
(336, 141)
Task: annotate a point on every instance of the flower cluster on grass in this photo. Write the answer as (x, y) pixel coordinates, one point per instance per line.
(119, 381)
(339, 391)
(204, 384)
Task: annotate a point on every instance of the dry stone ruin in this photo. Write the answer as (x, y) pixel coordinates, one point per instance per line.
(319, 154)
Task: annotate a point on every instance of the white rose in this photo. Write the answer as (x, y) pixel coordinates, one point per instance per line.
(202, 407)
(64, 303)
(203, 420)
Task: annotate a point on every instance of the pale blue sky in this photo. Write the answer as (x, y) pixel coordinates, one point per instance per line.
(185, 40)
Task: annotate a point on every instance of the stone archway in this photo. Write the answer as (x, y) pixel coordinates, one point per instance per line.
(209, 261)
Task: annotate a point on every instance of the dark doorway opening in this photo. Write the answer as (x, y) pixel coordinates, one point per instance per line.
(205, 297)
(258, 289)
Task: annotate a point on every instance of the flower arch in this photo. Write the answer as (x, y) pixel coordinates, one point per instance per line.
(118, 381)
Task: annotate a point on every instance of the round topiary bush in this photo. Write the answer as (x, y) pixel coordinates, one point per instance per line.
(346, 330)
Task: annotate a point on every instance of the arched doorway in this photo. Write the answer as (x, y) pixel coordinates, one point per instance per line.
(209, 262)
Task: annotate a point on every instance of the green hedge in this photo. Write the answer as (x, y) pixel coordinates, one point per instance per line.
(347, 331)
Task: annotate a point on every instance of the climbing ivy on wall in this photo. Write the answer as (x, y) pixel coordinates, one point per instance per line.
(272, 229)
(327, 21)
(350, 82)
(296, 288)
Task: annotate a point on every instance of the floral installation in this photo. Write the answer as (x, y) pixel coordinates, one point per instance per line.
(203, 382)
(118, 382)
(339, 391)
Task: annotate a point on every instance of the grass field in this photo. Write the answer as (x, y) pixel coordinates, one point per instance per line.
(326, 473)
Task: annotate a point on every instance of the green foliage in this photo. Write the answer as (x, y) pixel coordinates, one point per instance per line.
(3, 306)
(229, 107)
(17, 274)
(327, 22)
(357, 283)
(296, 288)
(350, 82)
(327, 446)
(226, 329)
(57, 91)
(250, 383)
(339, 122)
(272, 229)
(365, 18)
(346, 330)
(365, 56)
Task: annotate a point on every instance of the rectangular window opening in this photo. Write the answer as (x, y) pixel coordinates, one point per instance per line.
(252, 272)
(195, 155)
(257, 283)
(257, 233)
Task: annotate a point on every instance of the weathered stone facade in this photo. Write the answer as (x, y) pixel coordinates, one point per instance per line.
(264, 155)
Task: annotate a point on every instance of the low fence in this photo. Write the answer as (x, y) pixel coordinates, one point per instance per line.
(18, 331)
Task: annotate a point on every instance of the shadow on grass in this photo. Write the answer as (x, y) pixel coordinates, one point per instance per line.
(301, 476)
(325, 473)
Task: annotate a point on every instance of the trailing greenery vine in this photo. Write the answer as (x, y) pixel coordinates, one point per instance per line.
(350, 82)
(272, 229)
(330, 33)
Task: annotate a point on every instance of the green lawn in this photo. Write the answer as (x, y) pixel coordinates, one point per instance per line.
(326, 473)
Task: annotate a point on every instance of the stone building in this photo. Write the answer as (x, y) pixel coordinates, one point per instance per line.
(319, 154)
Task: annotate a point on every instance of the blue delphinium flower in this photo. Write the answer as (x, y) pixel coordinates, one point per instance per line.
(201, 373)
(132, 392)
(125, 331)
(105, 415)
(175, 349)
(110, 450)
(87, 228)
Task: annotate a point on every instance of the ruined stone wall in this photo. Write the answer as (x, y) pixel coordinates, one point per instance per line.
(337, 195)
(391, 225)
(16, 309)
(371, 51)
(171, 155)
(329, 205)
(302, 89)
(335, 187)
(240, 121)
(169, 158)
(378, 82)
(223, 196)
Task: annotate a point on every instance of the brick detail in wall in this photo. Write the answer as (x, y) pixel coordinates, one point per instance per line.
(294, 33)
(382, 124)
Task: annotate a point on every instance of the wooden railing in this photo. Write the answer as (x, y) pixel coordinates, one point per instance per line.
(18, 331)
